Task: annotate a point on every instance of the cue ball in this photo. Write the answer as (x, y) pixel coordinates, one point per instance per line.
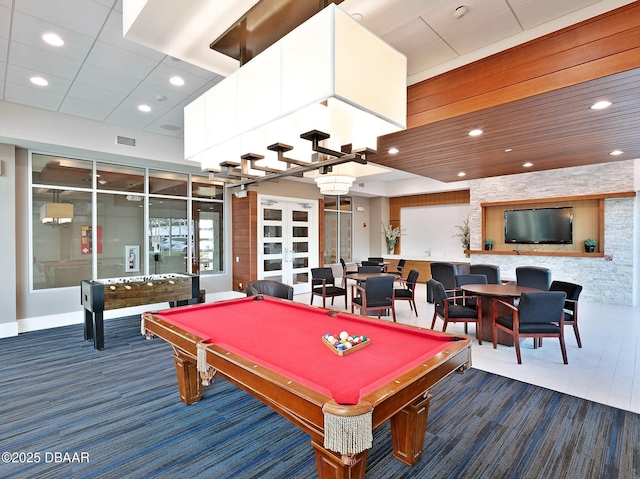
(344, 335)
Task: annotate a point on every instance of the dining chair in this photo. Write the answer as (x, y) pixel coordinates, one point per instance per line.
(447, 309)
(323, 283)
(376, 294)
(463, 279)
(368, 268)
(408, 293)
(533, 277)
(399, 268)
(572, 291)
(491, 271)
(538, 315)
(445, 274)
(270, 288)
(345, 272)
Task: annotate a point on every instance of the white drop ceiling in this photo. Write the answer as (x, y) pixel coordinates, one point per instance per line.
(101, 76)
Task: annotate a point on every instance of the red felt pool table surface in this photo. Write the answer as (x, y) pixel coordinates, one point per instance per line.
(286, 337)
(273, 349)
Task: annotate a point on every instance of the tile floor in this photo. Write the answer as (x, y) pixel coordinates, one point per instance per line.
(603, 370)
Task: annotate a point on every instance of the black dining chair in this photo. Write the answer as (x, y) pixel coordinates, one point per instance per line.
(448, 309)
(491, 271)
(323, 284)
(368, 268)
(269, 287)
(463, 279)
(538, 315)
(572, 291)
(376, 294)
(444, 273)
(408, 293)
(345, 272)
(534, 277)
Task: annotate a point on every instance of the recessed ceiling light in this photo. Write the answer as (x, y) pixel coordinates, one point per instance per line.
(462, 173)
(393, 151)
(357, 17)
(616, 152)
(476, 132)
(39, 81)
(528, 164)
(145, 108)
(53, 39)
(507, 150)
(177, 81)
(600, 105)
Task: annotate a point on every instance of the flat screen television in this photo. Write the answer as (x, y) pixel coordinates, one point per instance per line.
(539, 226)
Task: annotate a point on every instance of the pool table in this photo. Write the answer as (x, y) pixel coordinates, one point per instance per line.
(274, 349)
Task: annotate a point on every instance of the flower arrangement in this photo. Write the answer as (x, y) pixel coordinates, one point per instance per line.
(391, 234)
(464, 235)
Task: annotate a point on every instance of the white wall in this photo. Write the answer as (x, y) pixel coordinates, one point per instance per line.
(7, 240)
(431, 230)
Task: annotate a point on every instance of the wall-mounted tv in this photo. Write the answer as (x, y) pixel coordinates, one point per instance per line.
(539, 226)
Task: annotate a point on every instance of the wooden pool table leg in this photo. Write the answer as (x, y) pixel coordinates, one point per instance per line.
(408, 428)
(188, 379)
(330, 465)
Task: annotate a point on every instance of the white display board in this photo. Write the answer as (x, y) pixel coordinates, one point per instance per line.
(432, 228)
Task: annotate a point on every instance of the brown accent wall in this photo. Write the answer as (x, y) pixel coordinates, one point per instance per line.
(598, 47)
(244, 239)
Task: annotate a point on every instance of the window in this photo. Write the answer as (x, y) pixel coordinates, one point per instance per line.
(338, 225)
(184, 231)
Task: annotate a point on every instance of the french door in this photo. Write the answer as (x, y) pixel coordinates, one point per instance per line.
(287, 240)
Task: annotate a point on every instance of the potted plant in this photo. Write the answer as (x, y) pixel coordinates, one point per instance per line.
(391, 234)
(464, 234)
(590, 245)
(488, 244)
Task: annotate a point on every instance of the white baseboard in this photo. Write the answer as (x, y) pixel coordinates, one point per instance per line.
(38, 323)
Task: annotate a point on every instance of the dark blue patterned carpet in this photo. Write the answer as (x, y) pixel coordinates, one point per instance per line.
(75, 412)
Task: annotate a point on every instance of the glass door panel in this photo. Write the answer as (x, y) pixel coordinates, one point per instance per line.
(288, 230)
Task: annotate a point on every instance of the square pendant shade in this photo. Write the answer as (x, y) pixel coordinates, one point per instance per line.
(329, 74)
(56, 213)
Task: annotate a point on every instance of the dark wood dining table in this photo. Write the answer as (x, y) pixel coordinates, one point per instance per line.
(486, 292)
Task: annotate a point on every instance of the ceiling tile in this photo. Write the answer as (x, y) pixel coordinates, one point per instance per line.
(429, 56)
(532, 13)
(120, 60)
(149, 92)
(22, 76)
(90, 93)
(29, 31)
(4, 45)
(112, 35)
(86, 17)
(85, 109)
(164, 71)
(106, 79)
(441, 18)
(42, 61)
(130, 118)
(25, 95)
(484, 33)
(5, 22)
(411, 36)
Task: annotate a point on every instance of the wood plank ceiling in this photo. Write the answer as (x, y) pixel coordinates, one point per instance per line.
(551, 130)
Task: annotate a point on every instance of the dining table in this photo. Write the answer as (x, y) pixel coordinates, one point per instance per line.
(486, 293)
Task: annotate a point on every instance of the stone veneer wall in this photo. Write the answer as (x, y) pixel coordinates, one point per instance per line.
(603, 281)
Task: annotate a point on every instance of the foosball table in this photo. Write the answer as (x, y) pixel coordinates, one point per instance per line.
(114, 293)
